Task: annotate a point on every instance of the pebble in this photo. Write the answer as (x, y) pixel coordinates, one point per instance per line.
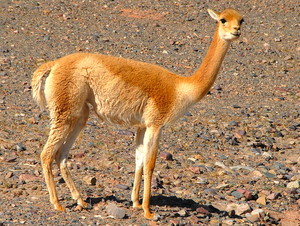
(245, 192)
(194, 220)
(196, 170)
(233, 123)
(243, 208)
(262, 200)
(237, 195)
(9, 175)
(123, 186)
(220, 164)
(125, 132)
(228, 222)
(166, 156)
(174, 222)
(277, 39)
(293, 185)
(114, 211)
(258, 213)
(20, 147)
(11, 159)
(274, 195)
(202, 211)
(241, 167)
(240, 133)
(269, 175)
(79, 155)
(183, 213)
(29, 177)
(90, 180)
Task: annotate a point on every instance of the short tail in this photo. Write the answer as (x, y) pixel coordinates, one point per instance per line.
(36, 84)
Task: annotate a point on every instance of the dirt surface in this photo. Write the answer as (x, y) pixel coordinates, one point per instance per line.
(235, 155)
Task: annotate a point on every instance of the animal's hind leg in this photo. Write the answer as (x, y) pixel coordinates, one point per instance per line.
(57, 136)
(62, 156)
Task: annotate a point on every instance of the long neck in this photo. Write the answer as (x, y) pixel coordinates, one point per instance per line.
(204, 78)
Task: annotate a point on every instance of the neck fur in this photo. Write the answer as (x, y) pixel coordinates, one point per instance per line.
(204, 78)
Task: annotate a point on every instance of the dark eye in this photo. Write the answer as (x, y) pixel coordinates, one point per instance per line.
(242, 21)
(223, 21)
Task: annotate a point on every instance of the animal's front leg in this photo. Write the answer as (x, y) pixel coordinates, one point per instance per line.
(139, 160)
(150, 150)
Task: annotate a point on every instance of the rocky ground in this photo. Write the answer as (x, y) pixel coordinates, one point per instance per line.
(233, 159)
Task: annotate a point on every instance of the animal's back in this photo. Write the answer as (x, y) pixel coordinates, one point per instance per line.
(121, 91)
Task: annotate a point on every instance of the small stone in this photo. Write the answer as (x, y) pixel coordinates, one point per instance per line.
(274, 195)
(288, 57)
(29, 177)
(156, 183)
(233, 123)
(90, 180)
(277, 39)
(11, 159)
(267, 155)
(174, 222)
(183, 213)
(203, 211)
(243, 208)
(126, 132)
(166, 156)
(239, 167)
(9, 175)
(262, 200)
(294, 184)
(258, 213)
(114, 211)
(239, 134)
(251, 217)
(122, 186)
(195, 170)
(31, 161)
(246, 193)
(194, 220)
(228, 222)
(257, 174)
(237, 195)
(220, 164)
(269, 175)
(32, 120)
(188, 114)
(20, 147)
(79, 155)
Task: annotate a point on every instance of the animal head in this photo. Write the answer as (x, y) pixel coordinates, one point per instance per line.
(230, 22)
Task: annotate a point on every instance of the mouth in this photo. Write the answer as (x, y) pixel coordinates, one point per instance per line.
(236, 34)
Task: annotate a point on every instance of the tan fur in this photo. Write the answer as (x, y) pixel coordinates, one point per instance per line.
(124, 92)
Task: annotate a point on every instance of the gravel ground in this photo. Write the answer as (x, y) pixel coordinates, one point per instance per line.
(235, 155)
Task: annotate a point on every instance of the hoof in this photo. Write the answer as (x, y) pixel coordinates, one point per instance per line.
(60, 208)
(151, 216)
(85, 205)
(137, 206)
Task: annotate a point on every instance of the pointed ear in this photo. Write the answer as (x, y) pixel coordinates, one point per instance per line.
(213, 14)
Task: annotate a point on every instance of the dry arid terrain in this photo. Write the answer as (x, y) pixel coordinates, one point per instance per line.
(233, 159)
